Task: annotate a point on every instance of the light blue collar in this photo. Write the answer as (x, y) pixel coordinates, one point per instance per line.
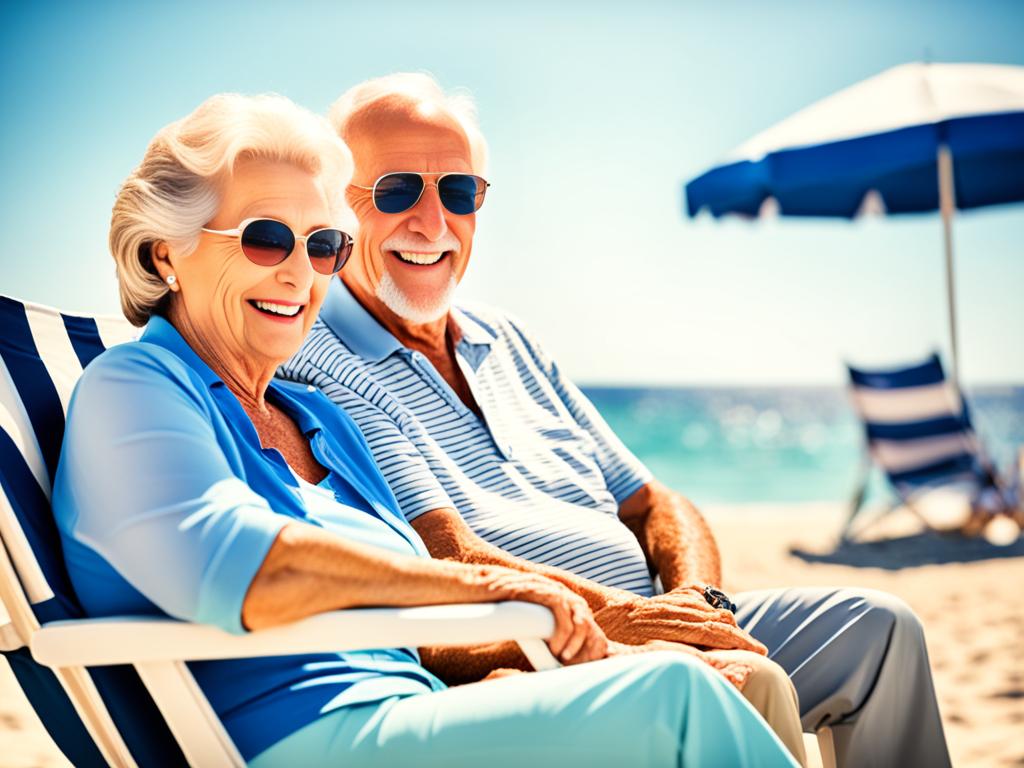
(360, 331)
(473, 331)
(356, 327)
(159, 331)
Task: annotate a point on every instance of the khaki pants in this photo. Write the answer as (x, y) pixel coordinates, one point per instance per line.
(772, 694)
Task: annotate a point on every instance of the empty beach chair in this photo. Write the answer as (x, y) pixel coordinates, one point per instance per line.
(117, 691)
(918, 432)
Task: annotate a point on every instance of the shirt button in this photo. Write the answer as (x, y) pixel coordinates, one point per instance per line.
(310, 388)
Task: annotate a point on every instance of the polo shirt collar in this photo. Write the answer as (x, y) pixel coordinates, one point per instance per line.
(361, 333)
(472, 332)
(356, 327)
(474, 338)
(160, 332)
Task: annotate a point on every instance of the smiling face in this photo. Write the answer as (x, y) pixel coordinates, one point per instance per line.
(244, 319)
(406, 265)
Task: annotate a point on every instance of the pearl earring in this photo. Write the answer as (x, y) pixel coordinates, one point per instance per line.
(171, 279)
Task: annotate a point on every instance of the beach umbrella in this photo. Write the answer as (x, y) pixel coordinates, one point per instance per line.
(915, 138)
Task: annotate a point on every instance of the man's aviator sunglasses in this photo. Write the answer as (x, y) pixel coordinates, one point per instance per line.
(267, 242)
(460, 193)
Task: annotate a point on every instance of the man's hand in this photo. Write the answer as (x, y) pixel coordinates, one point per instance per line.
(691, 598)
(497, 674)
(735, 672)
(680, 616)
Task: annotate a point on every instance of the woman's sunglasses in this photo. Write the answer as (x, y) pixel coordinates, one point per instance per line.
(460, 193)
(267, 242)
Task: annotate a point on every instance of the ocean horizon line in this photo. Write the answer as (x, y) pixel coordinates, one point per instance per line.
(734, 385)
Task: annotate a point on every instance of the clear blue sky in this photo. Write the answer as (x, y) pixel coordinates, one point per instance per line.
(596, 114)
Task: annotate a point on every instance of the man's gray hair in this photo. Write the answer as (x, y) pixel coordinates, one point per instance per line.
(419, 87)
(175, 190)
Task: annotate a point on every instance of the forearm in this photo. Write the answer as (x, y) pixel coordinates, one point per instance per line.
(674, 535)
(309, 571)
(447, 537)
(458, 666)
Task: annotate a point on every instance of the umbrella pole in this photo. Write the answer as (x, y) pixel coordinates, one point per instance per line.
(947, 206)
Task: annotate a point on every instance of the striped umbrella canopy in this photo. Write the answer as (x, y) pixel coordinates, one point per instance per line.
(915, 138)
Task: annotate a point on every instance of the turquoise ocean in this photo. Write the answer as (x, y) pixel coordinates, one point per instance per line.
(773, 444)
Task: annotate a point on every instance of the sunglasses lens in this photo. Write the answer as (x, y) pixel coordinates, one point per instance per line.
(267, 242)
(328, 250)
(397, 192)
(461, 193)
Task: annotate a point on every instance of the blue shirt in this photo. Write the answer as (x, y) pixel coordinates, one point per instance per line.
(541, 475)
(167, 504)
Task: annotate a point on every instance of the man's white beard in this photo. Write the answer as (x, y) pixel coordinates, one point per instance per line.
(418, 313)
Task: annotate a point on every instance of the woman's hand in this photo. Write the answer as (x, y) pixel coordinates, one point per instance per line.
(577, 636)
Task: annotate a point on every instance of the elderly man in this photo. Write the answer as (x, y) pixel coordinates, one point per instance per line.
(496, 457)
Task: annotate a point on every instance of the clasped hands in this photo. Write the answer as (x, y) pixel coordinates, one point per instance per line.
(679, 616)
(678, 620)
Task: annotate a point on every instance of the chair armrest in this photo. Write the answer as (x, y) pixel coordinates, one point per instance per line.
(134, 640)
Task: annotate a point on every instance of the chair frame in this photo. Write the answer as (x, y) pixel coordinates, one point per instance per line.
(906, 499)
(159, 649)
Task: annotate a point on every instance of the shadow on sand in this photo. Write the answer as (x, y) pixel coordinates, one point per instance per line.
(926, 548)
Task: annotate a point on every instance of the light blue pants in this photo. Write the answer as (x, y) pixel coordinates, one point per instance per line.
(654, 709)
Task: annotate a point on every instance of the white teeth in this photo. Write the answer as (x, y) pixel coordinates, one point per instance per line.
(420, 258)
(279, 309)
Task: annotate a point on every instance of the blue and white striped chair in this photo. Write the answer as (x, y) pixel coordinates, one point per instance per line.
(919, 433)
(117, 691)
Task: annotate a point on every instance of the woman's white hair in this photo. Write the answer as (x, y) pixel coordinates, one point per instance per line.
(175, 190)
(422, 88)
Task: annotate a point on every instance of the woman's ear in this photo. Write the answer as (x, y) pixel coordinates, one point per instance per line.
(160, 254)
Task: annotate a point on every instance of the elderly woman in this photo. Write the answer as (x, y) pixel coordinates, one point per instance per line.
(194, 485)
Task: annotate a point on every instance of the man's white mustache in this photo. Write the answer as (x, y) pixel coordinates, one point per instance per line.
(448, 242)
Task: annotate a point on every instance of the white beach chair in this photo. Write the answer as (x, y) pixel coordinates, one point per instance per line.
(117, 691)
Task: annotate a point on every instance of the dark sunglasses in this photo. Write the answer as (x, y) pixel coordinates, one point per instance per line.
(267, 242)
(460, 193)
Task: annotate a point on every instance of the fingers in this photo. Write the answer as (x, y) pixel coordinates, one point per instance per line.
(596, 647)
(728, 637)
(565, 626)
(692, 602)
(662, 645)
(588, 643)
(752, 644)
(677, 617)
(496, 674)
(681, 621)
(577, 637)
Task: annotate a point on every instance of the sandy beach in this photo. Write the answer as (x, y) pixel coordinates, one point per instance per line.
(969, 595)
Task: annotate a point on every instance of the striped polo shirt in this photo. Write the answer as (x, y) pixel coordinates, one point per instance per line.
(541, 475)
